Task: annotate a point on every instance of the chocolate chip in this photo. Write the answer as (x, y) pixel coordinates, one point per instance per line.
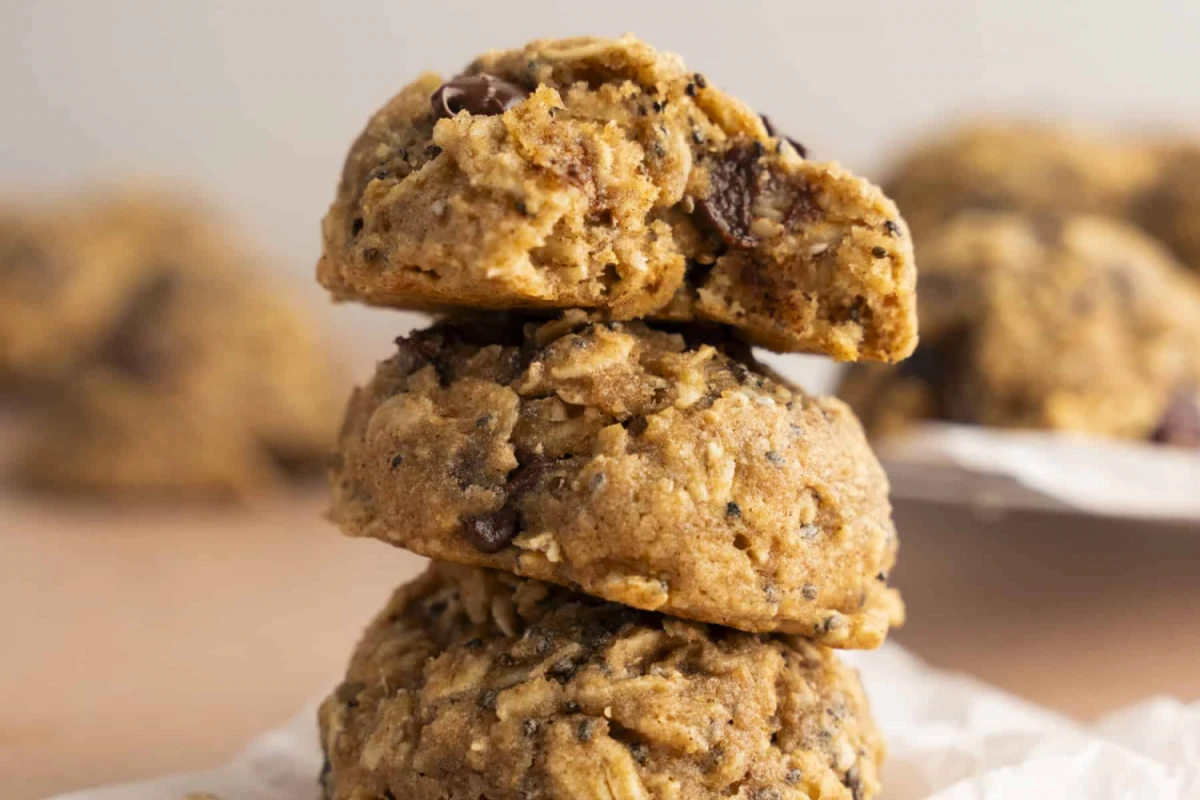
(700, 80)
(585, 729)
(810, 592)
(397, 460)
(562, 671)
(640, 753)
(881, 577)
(771, 131)
(637, 425)
(733, 184)
(733, 510)
(892, 228)
(775, 458)
(853, 782)
(772, 594)
(485, 420)
(482, 94)
(697, 272)
(491, 533)
(804, 207)
(1180, 423)
(879, 252)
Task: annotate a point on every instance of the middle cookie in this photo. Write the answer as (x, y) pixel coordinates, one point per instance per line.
(638, 464)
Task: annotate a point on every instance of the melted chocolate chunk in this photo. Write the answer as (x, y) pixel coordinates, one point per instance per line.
(1180, 423)
(733, 184)
(772, 131)
(476, 94)
(491, 533)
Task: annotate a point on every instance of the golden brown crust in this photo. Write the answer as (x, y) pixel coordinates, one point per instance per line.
(480, 684)
(622, 183)
(625, 461)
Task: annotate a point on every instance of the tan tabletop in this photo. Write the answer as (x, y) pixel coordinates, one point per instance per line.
(145, 641)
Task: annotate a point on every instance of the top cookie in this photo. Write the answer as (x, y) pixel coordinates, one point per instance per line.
(601, 174)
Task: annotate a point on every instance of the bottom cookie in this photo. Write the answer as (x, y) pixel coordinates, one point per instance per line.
(474, 683)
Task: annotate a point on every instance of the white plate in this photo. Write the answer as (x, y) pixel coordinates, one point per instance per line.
(1033, 470)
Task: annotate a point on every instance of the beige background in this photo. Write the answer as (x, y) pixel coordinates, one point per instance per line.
(162, 639)
(255, 101)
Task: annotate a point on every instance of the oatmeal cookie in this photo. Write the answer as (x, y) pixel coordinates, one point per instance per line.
(643, 466)
(1070, 323)
(1018, 166)
(601, 174)
(207, 381)
(65, 273)
(473, 683)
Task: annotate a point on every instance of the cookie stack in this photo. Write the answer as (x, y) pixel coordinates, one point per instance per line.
(645, 542)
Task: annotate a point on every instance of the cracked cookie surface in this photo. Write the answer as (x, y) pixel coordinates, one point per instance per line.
(627, 461)
(1069, 323)
(601, 174)
(473, 683)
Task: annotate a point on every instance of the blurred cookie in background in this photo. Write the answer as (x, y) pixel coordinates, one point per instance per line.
(1170, 208)
(65, 273)
(198, 376)
(1071, 323)
(1003, 165)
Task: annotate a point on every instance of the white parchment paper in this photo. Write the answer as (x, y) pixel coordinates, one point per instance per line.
(1037, 470)
(950, 738)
